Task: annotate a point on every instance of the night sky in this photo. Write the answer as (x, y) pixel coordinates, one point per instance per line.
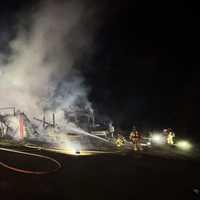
(144, 68)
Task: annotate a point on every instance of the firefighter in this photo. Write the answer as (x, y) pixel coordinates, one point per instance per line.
(111, 130)
(120, 140)
(135, 139)
(170, 137)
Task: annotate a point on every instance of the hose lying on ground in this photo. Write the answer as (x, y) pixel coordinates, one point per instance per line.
(58, 164)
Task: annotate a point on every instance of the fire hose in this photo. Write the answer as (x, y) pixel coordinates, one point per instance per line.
(3, 164)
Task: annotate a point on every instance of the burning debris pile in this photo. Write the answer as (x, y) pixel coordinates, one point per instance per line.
(17, 127)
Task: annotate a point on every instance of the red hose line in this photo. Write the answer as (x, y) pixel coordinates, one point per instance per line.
(30, 171)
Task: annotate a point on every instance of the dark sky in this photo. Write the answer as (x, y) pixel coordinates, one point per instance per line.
(144, 69)
(147, 65)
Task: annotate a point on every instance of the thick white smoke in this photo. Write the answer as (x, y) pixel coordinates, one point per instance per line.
(40, 70)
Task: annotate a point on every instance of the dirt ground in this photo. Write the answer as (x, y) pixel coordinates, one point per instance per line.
(132, 175)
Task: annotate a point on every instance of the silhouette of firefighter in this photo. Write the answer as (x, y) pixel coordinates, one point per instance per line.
(135, 138)
(120, 140)
(170, 136)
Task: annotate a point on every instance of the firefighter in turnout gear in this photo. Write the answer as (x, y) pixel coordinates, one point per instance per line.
(120, 140)
(135, 139)
(170, 137)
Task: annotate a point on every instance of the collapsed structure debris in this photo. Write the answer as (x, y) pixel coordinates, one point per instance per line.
(15, 124)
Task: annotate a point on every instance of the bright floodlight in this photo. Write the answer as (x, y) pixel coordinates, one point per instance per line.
(184, 145)
(158, 139)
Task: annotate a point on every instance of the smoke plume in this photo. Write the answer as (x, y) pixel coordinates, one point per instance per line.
(40, 70)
